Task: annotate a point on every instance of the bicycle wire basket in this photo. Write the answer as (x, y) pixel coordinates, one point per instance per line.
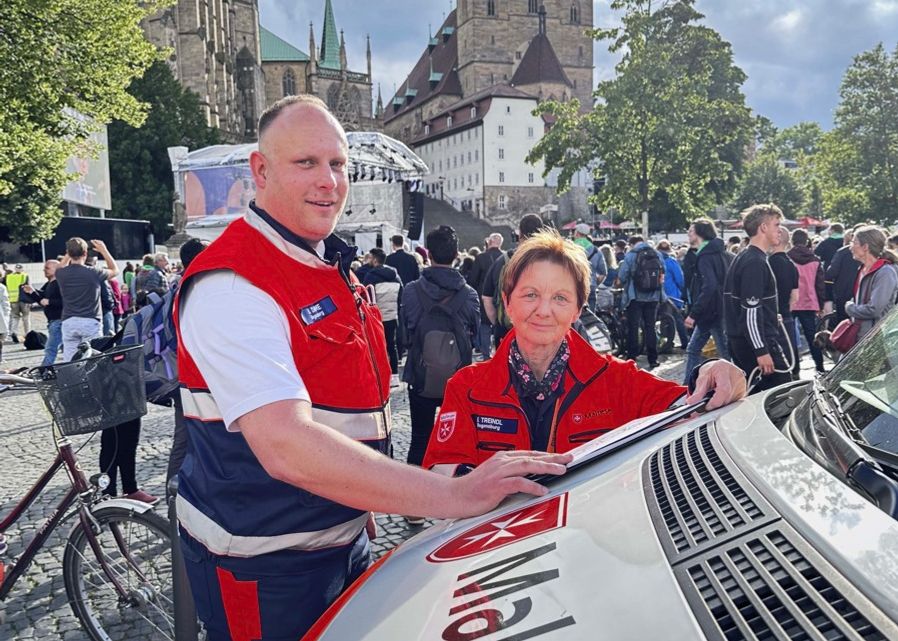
(94, 393)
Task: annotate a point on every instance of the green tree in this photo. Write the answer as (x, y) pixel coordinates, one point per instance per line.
(867, 131)
(61, 58)
(766, 181)
(673, 120)
(139, 168)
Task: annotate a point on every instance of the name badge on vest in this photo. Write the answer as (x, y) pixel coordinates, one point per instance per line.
(496, 425)
(317, 311)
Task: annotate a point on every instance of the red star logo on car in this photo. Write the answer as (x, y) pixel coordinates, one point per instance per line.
(505, 529)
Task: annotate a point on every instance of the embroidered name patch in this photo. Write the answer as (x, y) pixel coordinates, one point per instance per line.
(497, 425)
(316, 311)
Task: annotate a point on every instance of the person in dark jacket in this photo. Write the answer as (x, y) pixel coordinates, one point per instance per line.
(402, 261)
(750, 302)
(827, 248)
(477, 280)
(809, 302)
(50, 300)
(785, 273)
(388, 292)
(840, 277)
(436, 283)
(706, 295)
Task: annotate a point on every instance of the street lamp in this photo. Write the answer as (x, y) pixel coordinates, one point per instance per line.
(441, 179)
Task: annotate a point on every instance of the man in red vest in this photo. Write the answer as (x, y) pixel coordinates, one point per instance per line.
(288, 430)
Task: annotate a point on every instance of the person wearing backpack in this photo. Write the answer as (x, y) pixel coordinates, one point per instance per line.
(441, 314)
(642, 279)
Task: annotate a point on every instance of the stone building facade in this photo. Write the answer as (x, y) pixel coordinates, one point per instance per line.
(237, 67)
(482, 74)
(216, 54)
(323, 72)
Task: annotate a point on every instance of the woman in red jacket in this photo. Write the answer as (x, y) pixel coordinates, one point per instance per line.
(546, 388)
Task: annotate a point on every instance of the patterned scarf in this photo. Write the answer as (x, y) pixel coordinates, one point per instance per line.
(530, 386)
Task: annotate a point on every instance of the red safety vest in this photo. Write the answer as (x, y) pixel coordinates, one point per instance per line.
(226, 499)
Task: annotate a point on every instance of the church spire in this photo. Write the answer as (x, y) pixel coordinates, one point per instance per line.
(313, 55)
(343, 65)
(368, 38)
(330, 46)
(379, 110)
(542, 19)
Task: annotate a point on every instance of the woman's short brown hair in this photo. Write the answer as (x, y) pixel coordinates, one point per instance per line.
(547, 245)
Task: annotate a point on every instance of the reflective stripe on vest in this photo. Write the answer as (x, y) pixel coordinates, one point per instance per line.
(221, 542)
(359, 426)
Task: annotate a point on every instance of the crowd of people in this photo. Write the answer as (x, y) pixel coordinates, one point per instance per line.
(285, 439)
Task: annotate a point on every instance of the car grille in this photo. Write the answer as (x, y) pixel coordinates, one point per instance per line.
(699, 499)
(744, 572)
(766, 588)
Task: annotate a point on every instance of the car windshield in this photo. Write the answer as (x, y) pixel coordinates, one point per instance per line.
(858, 399)
(865, 384)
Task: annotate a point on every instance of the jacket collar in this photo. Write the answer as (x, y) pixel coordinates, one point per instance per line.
(297, 247)
(494, 379)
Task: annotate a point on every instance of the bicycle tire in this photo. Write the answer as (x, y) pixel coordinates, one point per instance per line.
(147, 612)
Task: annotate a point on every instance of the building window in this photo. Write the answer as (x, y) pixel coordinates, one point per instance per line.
(440, 164)
(490, 7)
(508, 109)
(501, 154)
(530, 132)
(575, 13)
(448, 121)
(473, 112)
(517, 55)
(501, 130)
(501, 176)
(532, 6)
(426, 129)
(288, 83)
(476, 133)
(454, 162)
(469, 157)
(502, 201)
(476, 155)
(530, 178)
(469, 134)
(476, 179)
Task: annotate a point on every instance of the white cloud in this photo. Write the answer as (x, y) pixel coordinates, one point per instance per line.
(884, 8)
(788, 23)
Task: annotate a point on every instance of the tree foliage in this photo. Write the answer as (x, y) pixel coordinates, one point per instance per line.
(140, 170)
(672, 121)
(766, 181)
(61, 58)
(866, 133)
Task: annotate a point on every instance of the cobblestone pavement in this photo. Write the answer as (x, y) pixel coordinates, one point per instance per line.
(37, 608)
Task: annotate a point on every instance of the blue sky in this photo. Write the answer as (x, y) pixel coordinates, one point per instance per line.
(793, 51)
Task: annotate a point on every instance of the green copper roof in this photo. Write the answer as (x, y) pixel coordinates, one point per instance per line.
(330, 44)
(275, 49)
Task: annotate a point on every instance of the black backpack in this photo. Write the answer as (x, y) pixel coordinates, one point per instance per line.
(440, 345)
(648, 275)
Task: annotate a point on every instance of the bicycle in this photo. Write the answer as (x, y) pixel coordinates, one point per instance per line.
(614, 318)
(116, 563)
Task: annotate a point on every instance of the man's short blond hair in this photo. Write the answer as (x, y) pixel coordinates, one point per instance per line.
(757, 215)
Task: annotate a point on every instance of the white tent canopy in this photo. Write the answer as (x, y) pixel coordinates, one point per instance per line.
(372, 156)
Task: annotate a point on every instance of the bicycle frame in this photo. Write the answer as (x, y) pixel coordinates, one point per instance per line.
(79, 490)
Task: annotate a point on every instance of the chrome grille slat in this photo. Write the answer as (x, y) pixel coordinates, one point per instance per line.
(744, 572)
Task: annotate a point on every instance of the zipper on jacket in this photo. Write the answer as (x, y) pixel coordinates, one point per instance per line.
(362, 316)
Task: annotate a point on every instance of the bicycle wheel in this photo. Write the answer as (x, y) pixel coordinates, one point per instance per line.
(137, 550)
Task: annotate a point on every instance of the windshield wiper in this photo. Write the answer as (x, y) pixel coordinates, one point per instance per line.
(839, 432)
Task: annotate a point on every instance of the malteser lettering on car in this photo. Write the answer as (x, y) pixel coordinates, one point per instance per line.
(486, 586)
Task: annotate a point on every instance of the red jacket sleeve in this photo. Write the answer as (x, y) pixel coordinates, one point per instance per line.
(643, 392)
(453, 439)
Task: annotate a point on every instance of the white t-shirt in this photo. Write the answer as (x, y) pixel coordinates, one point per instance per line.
(239, 338)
